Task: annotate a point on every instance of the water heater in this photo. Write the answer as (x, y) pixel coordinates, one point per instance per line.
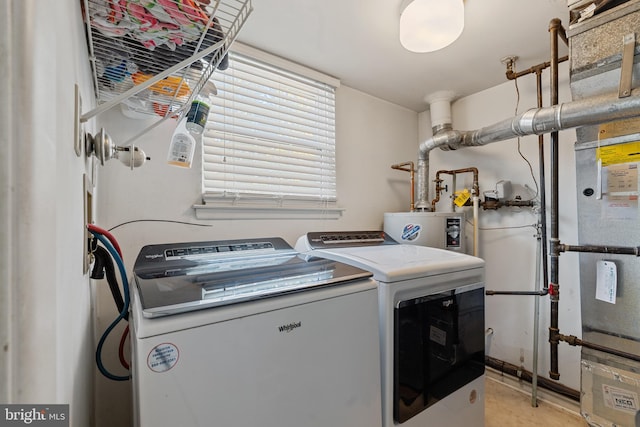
(444, 230)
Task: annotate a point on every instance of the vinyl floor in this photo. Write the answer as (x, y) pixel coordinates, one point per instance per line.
(506, 406)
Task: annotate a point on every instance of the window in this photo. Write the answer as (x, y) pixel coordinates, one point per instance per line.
(270, 140)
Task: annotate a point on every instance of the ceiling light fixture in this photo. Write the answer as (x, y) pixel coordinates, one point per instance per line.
(430, 25)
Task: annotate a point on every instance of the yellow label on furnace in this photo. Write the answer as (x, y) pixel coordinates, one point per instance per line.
(620, 153)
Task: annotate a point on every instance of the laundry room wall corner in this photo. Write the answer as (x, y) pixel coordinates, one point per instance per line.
(46, 332)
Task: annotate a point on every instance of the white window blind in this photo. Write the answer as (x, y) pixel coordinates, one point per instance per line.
(270, 136)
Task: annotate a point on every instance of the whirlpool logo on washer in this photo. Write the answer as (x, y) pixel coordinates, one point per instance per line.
(290, 327)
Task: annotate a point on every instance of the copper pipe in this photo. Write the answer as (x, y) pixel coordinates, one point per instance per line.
(476, 187)
(439, 188)
(411, 170)
(512, 75)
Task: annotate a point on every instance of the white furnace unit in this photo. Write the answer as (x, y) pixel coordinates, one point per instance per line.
(431, 304)
(247, 333)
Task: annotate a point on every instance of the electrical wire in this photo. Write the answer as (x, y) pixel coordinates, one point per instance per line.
(125, 310)
(535, 181)
(160, 220)
(534, 226)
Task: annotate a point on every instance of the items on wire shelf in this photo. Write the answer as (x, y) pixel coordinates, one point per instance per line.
(140, 43)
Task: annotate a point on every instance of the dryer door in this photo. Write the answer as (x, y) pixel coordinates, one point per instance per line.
(438, 347)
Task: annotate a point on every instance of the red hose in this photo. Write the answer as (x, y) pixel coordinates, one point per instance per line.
(108, 235)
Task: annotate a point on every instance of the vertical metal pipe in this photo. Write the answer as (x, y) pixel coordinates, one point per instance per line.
(422, 170)
(554, 288)
(541, 251)
(543, 191)
(536, 327)
(453, 186)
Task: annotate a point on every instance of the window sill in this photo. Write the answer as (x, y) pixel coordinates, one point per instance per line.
(223, 212)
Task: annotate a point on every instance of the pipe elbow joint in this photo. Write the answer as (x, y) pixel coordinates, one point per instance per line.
(571, 340)
(446, 140)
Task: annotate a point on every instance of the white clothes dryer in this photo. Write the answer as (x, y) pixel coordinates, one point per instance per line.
(431, 314)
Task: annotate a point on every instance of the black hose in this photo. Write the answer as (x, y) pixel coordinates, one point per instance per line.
(104, 264)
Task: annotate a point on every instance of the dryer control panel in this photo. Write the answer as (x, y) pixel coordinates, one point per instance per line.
(342, 239)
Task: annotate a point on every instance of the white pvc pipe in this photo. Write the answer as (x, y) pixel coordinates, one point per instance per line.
(476, 203)
(440, 107)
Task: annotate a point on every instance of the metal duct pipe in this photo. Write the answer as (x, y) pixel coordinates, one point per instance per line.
(537, 121)
(588, 111)
(439, 139)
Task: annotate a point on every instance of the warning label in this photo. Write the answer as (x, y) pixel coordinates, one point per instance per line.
(621, 153)
(620, 399)
(163, 357)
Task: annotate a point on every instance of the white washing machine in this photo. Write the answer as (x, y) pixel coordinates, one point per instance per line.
(247, 333)
(431, 304)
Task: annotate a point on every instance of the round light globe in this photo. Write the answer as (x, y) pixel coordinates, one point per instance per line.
(430, 25)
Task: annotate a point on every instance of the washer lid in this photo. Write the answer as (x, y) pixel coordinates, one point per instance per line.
(175, 278)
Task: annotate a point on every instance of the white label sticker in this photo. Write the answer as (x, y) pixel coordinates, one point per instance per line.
(163, 357)
(620, 399)
(606, 281)
(437, 335)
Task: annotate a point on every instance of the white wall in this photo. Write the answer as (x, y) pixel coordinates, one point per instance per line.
(46, 297)
(510, 253)
(371, 136)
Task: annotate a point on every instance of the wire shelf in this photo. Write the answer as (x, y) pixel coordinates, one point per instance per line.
(154, 56)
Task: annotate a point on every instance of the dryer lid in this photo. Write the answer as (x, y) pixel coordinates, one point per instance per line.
(386, 259)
